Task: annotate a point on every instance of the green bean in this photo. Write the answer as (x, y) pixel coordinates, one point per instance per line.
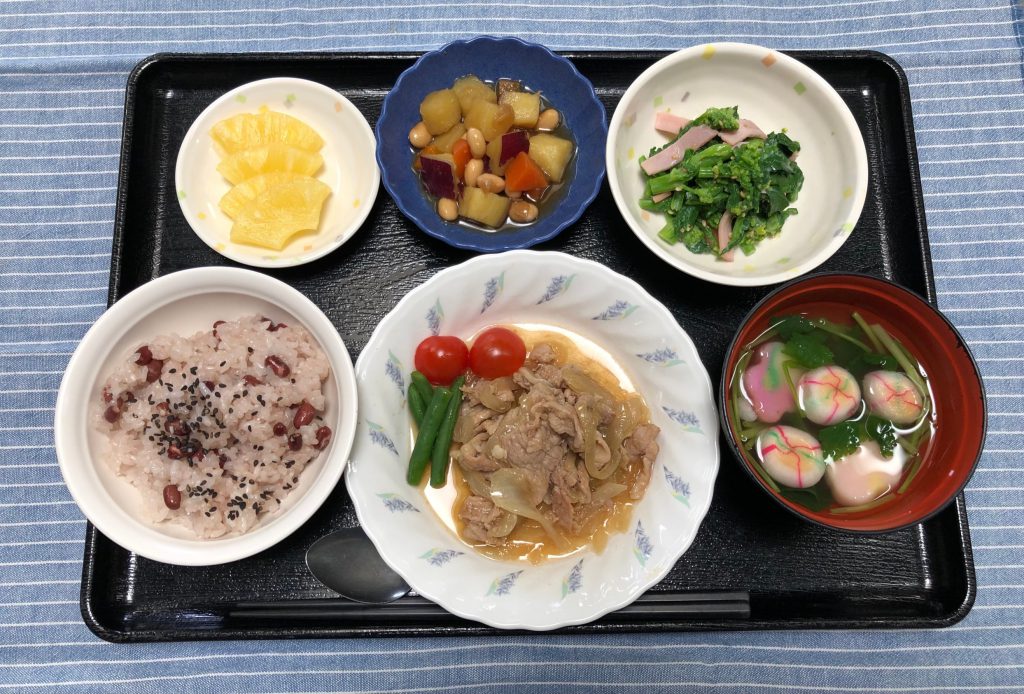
(421, 384)
(868, 331)
(427, 434)
(443, 443)
(416, 406)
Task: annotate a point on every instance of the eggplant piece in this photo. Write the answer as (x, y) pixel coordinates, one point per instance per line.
(507, 86)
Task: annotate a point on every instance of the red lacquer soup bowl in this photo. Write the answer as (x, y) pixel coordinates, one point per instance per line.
(959, 397)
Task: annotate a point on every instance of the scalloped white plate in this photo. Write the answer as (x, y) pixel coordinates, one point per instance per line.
(350, 169)
(655, 353)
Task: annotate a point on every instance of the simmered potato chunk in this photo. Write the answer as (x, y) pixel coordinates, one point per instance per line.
(440, 111)
(551, 154)
(469, 90)
(525, 107)
(489, 209)
(492, 120)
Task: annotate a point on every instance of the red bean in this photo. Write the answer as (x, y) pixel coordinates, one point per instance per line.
(280, 429)
(277, 365)
(107, 397)
(209, 384)
(323, 437)
(295, 442)
(215, 324)
(176, 426)
(221, 460)
(173, 452)
(275, 328)
(172, 497)
(252, 380)
(112, 414)
(304, 415)
(198, 455)
(145, 355)
(163, 406)
(154, 369)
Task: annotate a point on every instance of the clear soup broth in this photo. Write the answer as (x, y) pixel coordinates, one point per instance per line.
(832, 410)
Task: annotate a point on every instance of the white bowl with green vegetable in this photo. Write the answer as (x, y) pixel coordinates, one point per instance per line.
(737, 164)
(647, 511)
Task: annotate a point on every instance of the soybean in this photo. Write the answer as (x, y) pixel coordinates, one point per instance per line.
(477, 144)
(548, 119)
(522, 211)
(474, 168)
(448, 209)
(427, 435)
(489, 183)
(443, 443)
(419, 136)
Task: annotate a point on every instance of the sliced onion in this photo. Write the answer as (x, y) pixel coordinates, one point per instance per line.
(487, 392)
(581, 383)
(592, 441)
(607, 491)
(477, 482)
(504, 525)
(464, 427)
(510, 491)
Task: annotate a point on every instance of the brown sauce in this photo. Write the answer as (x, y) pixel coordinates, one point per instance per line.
(528, 542)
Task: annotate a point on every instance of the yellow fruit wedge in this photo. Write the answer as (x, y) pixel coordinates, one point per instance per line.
(241, 196)
(281, 212)
(275, 157)
(248, 130)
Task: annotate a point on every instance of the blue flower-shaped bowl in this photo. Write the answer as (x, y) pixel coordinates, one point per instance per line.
(490, 58)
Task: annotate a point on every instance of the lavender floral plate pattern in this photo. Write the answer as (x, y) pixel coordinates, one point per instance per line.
(655, 353)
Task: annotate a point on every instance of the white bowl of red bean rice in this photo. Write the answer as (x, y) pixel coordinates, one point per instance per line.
(206, 416)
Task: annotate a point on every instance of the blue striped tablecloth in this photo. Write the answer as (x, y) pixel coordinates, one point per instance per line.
(63, 67)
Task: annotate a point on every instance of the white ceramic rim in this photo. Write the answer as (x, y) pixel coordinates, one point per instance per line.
(86, 366)
(622, 599)
(255, 260)
(809, 77)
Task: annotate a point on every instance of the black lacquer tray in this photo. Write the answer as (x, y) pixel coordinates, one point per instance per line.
(770, 569)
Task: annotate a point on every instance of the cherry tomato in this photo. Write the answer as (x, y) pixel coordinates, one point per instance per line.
(441, 358)
(497, 352)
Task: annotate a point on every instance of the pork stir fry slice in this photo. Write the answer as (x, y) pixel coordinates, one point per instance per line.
(563, 435)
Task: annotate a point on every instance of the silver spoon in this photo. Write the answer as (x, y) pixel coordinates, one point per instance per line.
(347, 562)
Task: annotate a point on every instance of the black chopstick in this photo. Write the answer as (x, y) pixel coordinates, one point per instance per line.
(724, 605)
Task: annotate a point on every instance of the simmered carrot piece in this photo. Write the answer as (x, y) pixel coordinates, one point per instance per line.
(523, 174)
(461, 153)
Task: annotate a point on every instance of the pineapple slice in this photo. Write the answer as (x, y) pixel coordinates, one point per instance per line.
(240, 197)
(248, 130)
(279, 213)
(268, 158)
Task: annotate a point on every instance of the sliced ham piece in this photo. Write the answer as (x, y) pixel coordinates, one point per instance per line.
(746, 130)
(724, 234)
(660, 196)
(669, 123)
(664, 160)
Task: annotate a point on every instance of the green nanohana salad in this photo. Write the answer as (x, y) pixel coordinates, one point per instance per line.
(721, 182)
